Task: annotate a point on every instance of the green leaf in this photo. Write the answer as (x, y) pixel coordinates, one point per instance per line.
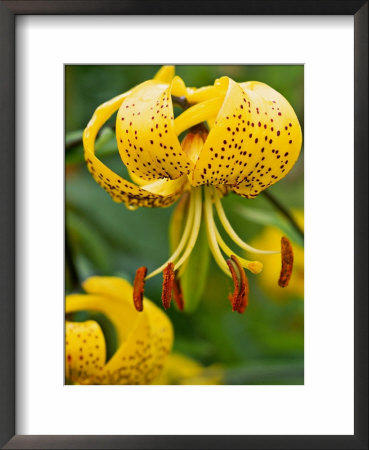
(73, 136)
(267, 372)
(106, 136)
(105, 145)
(194, 277)
(88, 242)
(266, 217)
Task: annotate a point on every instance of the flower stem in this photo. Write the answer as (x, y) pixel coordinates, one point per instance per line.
(282, 209)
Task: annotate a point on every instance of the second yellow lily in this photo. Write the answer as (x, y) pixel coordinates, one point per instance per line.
(144, 340)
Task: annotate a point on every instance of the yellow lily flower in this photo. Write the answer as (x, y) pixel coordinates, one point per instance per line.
(144, 340)
(268, 279)
(252, 140)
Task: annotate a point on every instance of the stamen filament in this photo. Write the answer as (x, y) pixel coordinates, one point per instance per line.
(230, 231)
(196, 195)
(182, 242)
(197, 114)
(253, 266)
(211, 233)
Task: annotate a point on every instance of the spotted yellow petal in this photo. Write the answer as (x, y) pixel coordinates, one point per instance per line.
(192, 145)
(162, 336)
(197, 95)
(249, 146)
(111, 296)
(141, 357)
(281, 137)
(211, 121)
(85, 352)
(163, 186)
(198, 113)
(147, 142)
(165, 74)
(206, 103)
(144, 338)
(178, 87)
(114, 287)
(119, 189)
(119, 312)
(137, 180)
(166, 187)
(123, 367)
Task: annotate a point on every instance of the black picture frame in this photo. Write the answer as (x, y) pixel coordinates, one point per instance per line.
(8, 282)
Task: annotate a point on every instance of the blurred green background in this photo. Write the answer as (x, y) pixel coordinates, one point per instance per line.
(265, 345)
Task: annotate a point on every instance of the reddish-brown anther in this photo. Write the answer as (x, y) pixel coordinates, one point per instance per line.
(287, 262)
(168, 282)
(240, 296)
(138, 287)
(178, 294)
(245, 299)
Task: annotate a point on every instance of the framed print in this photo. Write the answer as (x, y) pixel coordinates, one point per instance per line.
(261, 144)
(184, 225)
